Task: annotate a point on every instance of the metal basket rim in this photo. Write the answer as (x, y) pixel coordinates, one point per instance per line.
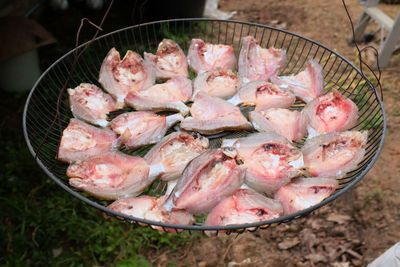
(228, 228)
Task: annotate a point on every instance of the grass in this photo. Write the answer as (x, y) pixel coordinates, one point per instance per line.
(42, 225)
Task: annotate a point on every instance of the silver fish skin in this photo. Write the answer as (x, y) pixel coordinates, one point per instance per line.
(307, 85)
(111, 175)
(119, 77)
(303, 193)
(207, 179)
(217, 82)
(151, 208)
(90, 104)
(334, 154)
(288, 123)
(210, 115)
(263, 95)
(174, 152)
(244, 206)
(139, 128)
(204, 56)
(259, 64)
(169, 60)
(269, 159)
(330, 113)
(168, 96)
(81, 140)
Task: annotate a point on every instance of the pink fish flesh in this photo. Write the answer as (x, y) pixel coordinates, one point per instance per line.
(141, 128)
(270, 160)
(174, 152)
(131, 74)
(334, 154)
(244, 206)
(111, 175)
(207, 179)
(307, 85)
(303, 193)
(263, 95)
(166, 96)
(151, 208)
(204, 56)
(256, 63)
(212, 115)
(330, 113)
(288, 123)
(220, 83)
(81, 140)
(168, 61)
(90, 104)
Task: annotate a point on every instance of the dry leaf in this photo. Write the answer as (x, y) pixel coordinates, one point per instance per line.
(338, 218)
(316, 257)
(289, 243)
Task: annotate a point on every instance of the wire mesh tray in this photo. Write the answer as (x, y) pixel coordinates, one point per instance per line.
(339, 74)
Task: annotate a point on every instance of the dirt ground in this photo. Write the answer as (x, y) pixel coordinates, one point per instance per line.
(360, 225)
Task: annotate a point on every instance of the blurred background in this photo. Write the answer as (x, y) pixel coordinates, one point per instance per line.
(41, 225)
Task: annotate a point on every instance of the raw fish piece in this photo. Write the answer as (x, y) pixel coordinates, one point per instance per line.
(168, 61)
(90, 104)
(212, 115)
(204, 56)
(141, 128)
(263, 95)
(220, 83)
(174, 152)
(256, 63)
(151, 208)
(166, 96)
(330, 113)
(207, 179)
(288, 123)
(111, 175)
(270, 160)
(131, 74)
(334, 154)
(81, 140)
(303, 193)
(306, 85)
(245, 206)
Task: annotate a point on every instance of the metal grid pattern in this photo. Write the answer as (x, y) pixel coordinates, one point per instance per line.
(339, 74)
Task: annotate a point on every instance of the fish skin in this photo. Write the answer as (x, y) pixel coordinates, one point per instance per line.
(288, 123)
(151, 208)
(204, 56)
(256, 63)
(90, 104)
(307, 85)
(244, 206)
(263, 95)
(168, 61)
(197, 192)
(331, 113)
(81, 140)
(141, 128)
(210, 115)
(119, 77)
(334, 154)
(174, 152)
(303, 193)
(161, 97)
(110, 175)
(269, 159)
(217, 82)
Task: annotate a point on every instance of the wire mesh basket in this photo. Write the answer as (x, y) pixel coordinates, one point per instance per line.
(339, 74)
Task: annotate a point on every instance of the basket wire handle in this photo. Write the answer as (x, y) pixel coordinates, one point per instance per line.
(72, 69)
(362, 62)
